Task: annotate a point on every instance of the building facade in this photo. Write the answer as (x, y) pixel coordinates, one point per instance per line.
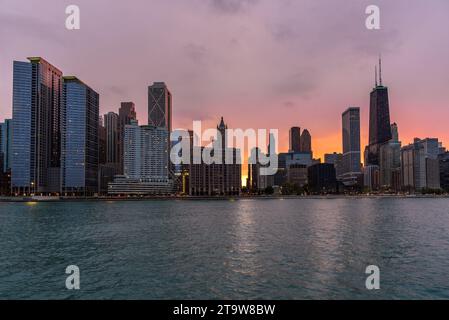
(111, 123)
(390, 161)
(350, 165)
(126, 114)
(6, 144)
(80, 151)
(295, 139)
(145, 162)
(322, 178)
(216, 178)
(36, 147)
(306, 142)
(420, 167)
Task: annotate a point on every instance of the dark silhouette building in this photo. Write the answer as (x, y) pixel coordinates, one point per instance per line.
(379, 120)
(322, 178)
(306, 142)
(444, 171)
(295, 139)
(126, 114)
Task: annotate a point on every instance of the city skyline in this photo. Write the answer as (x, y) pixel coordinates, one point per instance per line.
(209, 82)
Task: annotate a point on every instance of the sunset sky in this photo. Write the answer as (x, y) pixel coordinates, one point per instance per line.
(259, 63)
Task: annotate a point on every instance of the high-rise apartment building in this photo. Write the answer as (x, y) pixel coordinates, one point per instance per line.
(351, 169)
(420, 166)
(6, 144)
(390, 161)
(80, 150)
(126, 114)
(111, 123)
(36, 147)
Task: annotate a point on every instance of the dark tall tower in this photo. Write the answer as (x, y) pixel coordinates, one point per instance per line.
(295, 139)
(306, 141)
(379, 121)
(160, 106)
(126, 114)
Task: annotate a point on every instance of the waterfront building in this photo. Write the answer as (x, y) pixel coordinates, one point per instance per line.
(216, 178)
(390, 161)
(256, 182)
(111, 123)
(379, 121)
(6, 144)
(336, 159)
(145, 162)
(350, 166)
(322, 178)
(36, 136)
(102, 142)
(79, 143)
(443, 159)
(371, 177)
(420, 166)
(295, 139)
(126, 114)
(297, 174)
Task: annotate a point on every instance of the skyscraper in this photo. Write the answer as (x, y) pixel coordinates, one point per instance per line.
(160, 106)
(111, 123)
(126, 114)
(390, 161)
(36, 154)
(420, 165)
(79, 118)
(6, 143)
(145, 162)
(305, 142)
(295, 139)
(351, 169)
(379, 120)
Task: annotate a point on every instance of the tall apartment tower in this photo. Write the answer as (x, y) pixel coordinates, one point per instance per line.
(111, 123)
(160, 106)
(80, 150)
(351, 168)
(36, 147)
(126, 114)
(295, 139)
(6, 143)
(379, 120)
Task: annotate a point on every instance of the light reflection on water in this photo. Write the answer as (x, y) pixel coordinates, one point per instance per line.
(242, 249)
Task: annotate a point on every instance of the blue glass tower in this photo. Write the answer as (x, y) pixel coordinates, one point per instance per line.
(80, 120)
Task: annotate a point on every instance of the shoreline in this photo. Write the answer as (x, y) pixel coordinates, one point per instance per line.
(216, 198)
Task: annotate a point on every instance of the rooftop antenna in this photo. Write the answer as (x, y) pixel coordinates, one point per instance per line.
(380, 69)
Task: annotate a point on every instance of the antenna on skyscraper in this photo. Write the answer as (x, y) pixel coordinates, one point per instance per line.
(380, 69)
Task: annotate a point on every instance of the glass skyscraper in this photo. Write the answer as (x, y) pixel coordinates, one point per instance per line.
(351, 168)
(6, 143)
(35, 161)
(80, 122)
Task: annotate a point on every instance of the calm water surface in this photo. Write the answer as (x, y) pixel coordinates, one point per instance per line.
(245, 249)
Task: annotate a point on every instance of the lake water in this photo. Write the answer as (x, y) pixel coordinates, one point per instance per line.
(222, 249)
